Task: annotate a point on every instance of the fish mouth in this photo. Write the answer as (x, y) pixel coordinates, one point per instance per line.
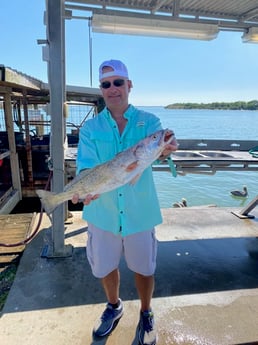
(167, 136)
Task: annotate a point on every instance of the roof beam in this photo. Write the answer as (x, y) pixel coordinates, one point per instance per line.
(250, 14)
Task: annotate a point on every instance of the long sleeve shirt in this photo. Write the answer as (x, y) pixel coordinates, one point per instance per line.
(133, 207)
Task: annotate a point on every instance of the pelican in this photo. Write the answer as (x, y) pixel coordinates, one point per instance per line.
(182, 203)
(239, 193)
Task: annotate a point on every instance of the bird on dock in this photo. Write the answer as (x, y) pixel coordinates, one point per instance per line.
(182, 203)
(239, 193)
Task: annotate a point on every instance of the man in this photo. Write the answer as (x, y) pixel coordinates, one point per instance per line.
(121, 221)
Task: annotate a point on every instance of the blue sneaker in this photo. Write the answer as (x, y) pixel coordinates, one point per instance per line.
(146, 330)
(108, 320)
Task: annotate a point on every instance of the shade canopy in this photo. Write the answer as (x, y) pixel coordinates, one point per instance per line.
(191, 19)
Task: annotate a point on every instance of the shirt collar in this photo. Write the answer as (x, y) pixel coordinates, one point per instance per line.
(127, 114)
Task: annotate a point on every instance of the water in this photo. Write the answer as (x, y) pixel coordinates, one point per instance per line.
(209, 124)
(200, 124)
(207, 189)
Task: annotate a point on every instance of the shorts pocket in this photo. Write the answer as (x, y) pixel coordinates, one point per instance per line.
(89, 249)
(154, 247)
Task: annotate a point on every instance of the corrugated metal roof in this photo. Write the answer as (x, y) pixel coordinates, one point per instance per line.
(228, 14)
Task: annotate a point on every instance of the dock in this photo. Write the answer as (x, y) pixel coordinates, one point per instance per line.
(206, 285)
(15, 228)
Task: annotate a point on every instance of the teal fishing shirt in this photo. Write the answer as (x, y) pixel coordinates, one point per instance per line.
(131, 208)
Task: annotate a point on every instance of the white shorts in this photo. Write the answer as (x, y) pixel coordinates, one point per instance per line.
(104, 251)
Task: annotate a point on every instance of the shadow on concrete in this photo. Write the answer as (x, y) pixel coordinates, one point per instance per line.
(202, 266)
(103, 340)
(183, 267)
(76, 232)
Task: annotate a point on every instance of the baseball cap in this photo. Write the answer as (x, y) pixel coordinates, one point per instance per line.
(119, 69)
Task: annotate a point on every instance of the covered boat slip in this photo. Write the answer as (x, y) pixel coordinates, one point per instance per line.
(206, 287)
(171, 18)
(191, 19)
(21, 160)
(181, 18)
(23, 156)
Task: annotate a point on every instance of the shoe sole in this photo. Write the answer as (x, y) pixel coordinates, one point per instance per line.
(139, 340)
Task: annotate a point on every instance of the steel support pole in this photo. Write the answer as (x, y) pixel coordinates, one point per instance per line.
(56, 77)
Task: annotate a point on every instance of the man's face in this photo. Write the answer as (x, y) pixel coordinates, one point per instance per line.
(115, 90)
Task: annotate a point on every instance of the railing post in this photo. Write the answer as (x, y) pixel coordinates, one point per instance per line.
(244, 213)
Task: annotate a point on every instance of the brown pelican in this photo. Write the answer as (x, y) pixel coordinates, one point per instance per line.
(239, 193)
(182, 203)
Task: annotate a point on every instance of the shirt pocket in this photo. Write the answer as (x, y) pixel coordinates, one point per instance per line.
(134, 136)
(105, 145)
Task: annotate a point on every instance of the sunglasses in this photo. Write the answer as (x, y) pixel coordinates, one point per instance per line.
(116, 83)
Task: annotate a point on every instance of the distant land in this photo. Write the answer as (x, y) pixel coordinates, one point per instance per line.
(239, 105)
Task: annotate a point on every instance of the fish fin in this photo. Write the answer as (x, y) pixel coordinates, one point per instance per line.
(135, 179)
(131, 166)
(48, 200)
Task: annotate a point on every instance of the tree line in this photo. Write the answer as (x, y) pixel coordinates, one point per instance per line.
(238, 105)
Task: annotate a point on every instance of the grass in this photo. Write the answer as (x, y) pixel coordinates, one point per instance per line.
(6, 280)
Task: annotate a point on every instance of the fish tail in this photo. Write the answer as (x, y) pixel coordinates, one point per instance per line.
(48, 200)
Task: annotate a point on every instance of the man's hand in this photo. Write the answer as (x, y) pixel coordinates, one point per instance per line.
(169, 148)
(86, 201)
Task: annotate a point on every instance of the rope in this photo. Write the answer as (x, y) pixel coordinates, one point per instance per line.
(172, 166)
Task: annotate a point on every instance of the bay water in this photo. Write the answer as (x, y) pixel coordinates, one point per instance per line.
(199, 189)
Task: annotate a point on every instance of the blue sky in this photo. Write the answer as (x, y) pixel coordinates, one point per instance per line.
(163, 70)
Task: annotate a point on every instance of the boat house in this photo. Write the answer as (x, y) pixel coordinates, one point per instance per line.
(202, 20)
(24, 143)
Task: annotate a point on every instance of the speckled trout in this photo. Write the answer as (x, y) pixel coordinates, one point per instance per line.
(126, 167)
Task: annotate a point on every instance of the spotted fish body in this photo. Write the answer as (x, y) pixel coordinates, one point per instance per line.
(125, 167)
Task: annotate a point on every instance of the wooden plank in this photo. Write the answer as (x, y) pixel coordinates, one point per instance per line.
(15, 228)
(5, 195)
(8, 260)
(10, 203)
(17, 78)
(15, 170)
(5, 154)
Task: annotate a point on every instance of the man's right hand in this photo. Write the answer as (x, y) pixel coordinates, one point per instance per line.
(76, 198)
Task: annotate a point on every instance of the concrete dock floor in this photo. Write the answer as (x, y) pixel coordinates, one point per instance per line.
(206, 286)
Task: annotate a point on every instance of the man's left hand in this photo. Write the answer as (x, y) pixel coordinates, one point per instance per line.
(169, 148)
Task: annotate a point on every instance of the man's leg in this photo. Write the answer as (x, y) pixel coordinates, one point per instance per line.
(145, 288)
(111, 285)
(140, 252)
(146, 329)
(104, 265)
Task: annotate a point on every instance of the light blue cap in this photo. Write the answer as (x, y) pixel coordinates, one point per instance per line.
(119, 69)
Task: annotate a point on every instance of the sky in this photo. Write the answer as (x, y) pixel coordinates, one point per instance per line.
(163, 70)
